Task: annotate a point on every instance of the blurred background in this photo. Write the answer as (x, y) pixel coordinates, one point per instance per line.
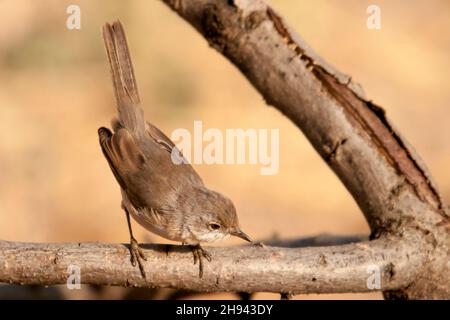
(55, 91)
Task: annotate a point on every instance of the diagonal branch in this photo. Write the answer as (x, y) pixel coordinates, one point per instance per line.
(351, 133)
(343, 268)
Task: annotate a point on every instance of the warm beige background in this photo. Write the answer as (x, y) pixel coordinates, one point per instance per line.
(55, 91)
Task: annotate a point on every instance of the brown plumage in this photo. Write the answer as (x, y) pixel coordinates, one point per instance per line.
(166, 198)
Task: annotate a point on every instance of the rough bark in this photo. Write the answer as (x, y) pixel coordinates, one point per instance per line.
(332, 269)
(386, 177)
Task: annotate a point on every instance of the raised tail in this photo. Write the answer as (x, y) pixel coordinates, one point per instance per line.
(131, 115)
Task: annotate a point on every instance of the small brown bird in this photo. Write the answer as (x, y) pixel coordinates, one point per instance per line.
(166, 198)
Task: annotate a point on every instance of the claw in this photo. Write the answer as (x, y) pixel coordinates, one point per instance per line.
(141, 254)
(137, 255)
(196, 258)
(133, 258)
(199, 253)
(207, 256)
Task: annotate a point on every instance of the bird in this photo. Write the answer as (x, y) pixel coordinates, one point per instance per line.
(164, 196)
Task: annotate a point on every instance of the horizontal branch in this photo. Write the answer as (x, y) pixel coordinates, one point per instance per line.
(332, 269)
(321, 240)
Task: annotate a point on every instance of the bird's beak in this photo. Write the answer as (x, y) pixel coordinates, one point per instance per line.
(239, 233)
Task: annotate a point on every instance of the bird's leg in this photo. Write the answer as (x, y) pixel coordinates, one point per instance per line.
(200, 253)
(135, 250)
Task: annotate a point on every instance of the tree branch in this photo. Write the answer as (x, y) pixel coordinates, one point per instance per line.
(343, 268)
(321, 240)
(383, 173)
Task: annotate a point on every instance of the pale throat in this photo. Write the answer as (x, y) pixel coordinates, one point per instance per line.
(212, 237)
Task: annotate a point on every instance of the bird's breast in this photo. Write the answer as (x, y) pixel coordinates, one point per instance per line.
(158, 223)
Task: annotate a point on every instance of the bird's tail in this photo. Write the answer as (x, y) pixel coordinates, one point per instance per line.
(131, 115)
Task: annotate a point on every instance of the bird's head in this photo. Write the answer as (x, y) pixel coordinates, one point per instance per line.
(216, 218)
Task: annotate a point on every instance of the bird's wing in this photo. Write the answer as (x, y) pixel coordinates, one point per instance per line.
(125, 159)
(182, 166)
(159, 137)
(146, 171)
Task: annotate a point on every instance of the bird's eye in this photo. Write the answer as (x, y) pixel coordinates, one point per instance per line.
(214, 226)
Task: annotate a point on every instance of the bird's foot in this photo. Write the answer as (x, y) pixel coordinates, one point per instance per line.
(200, 253)
(137, 255)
